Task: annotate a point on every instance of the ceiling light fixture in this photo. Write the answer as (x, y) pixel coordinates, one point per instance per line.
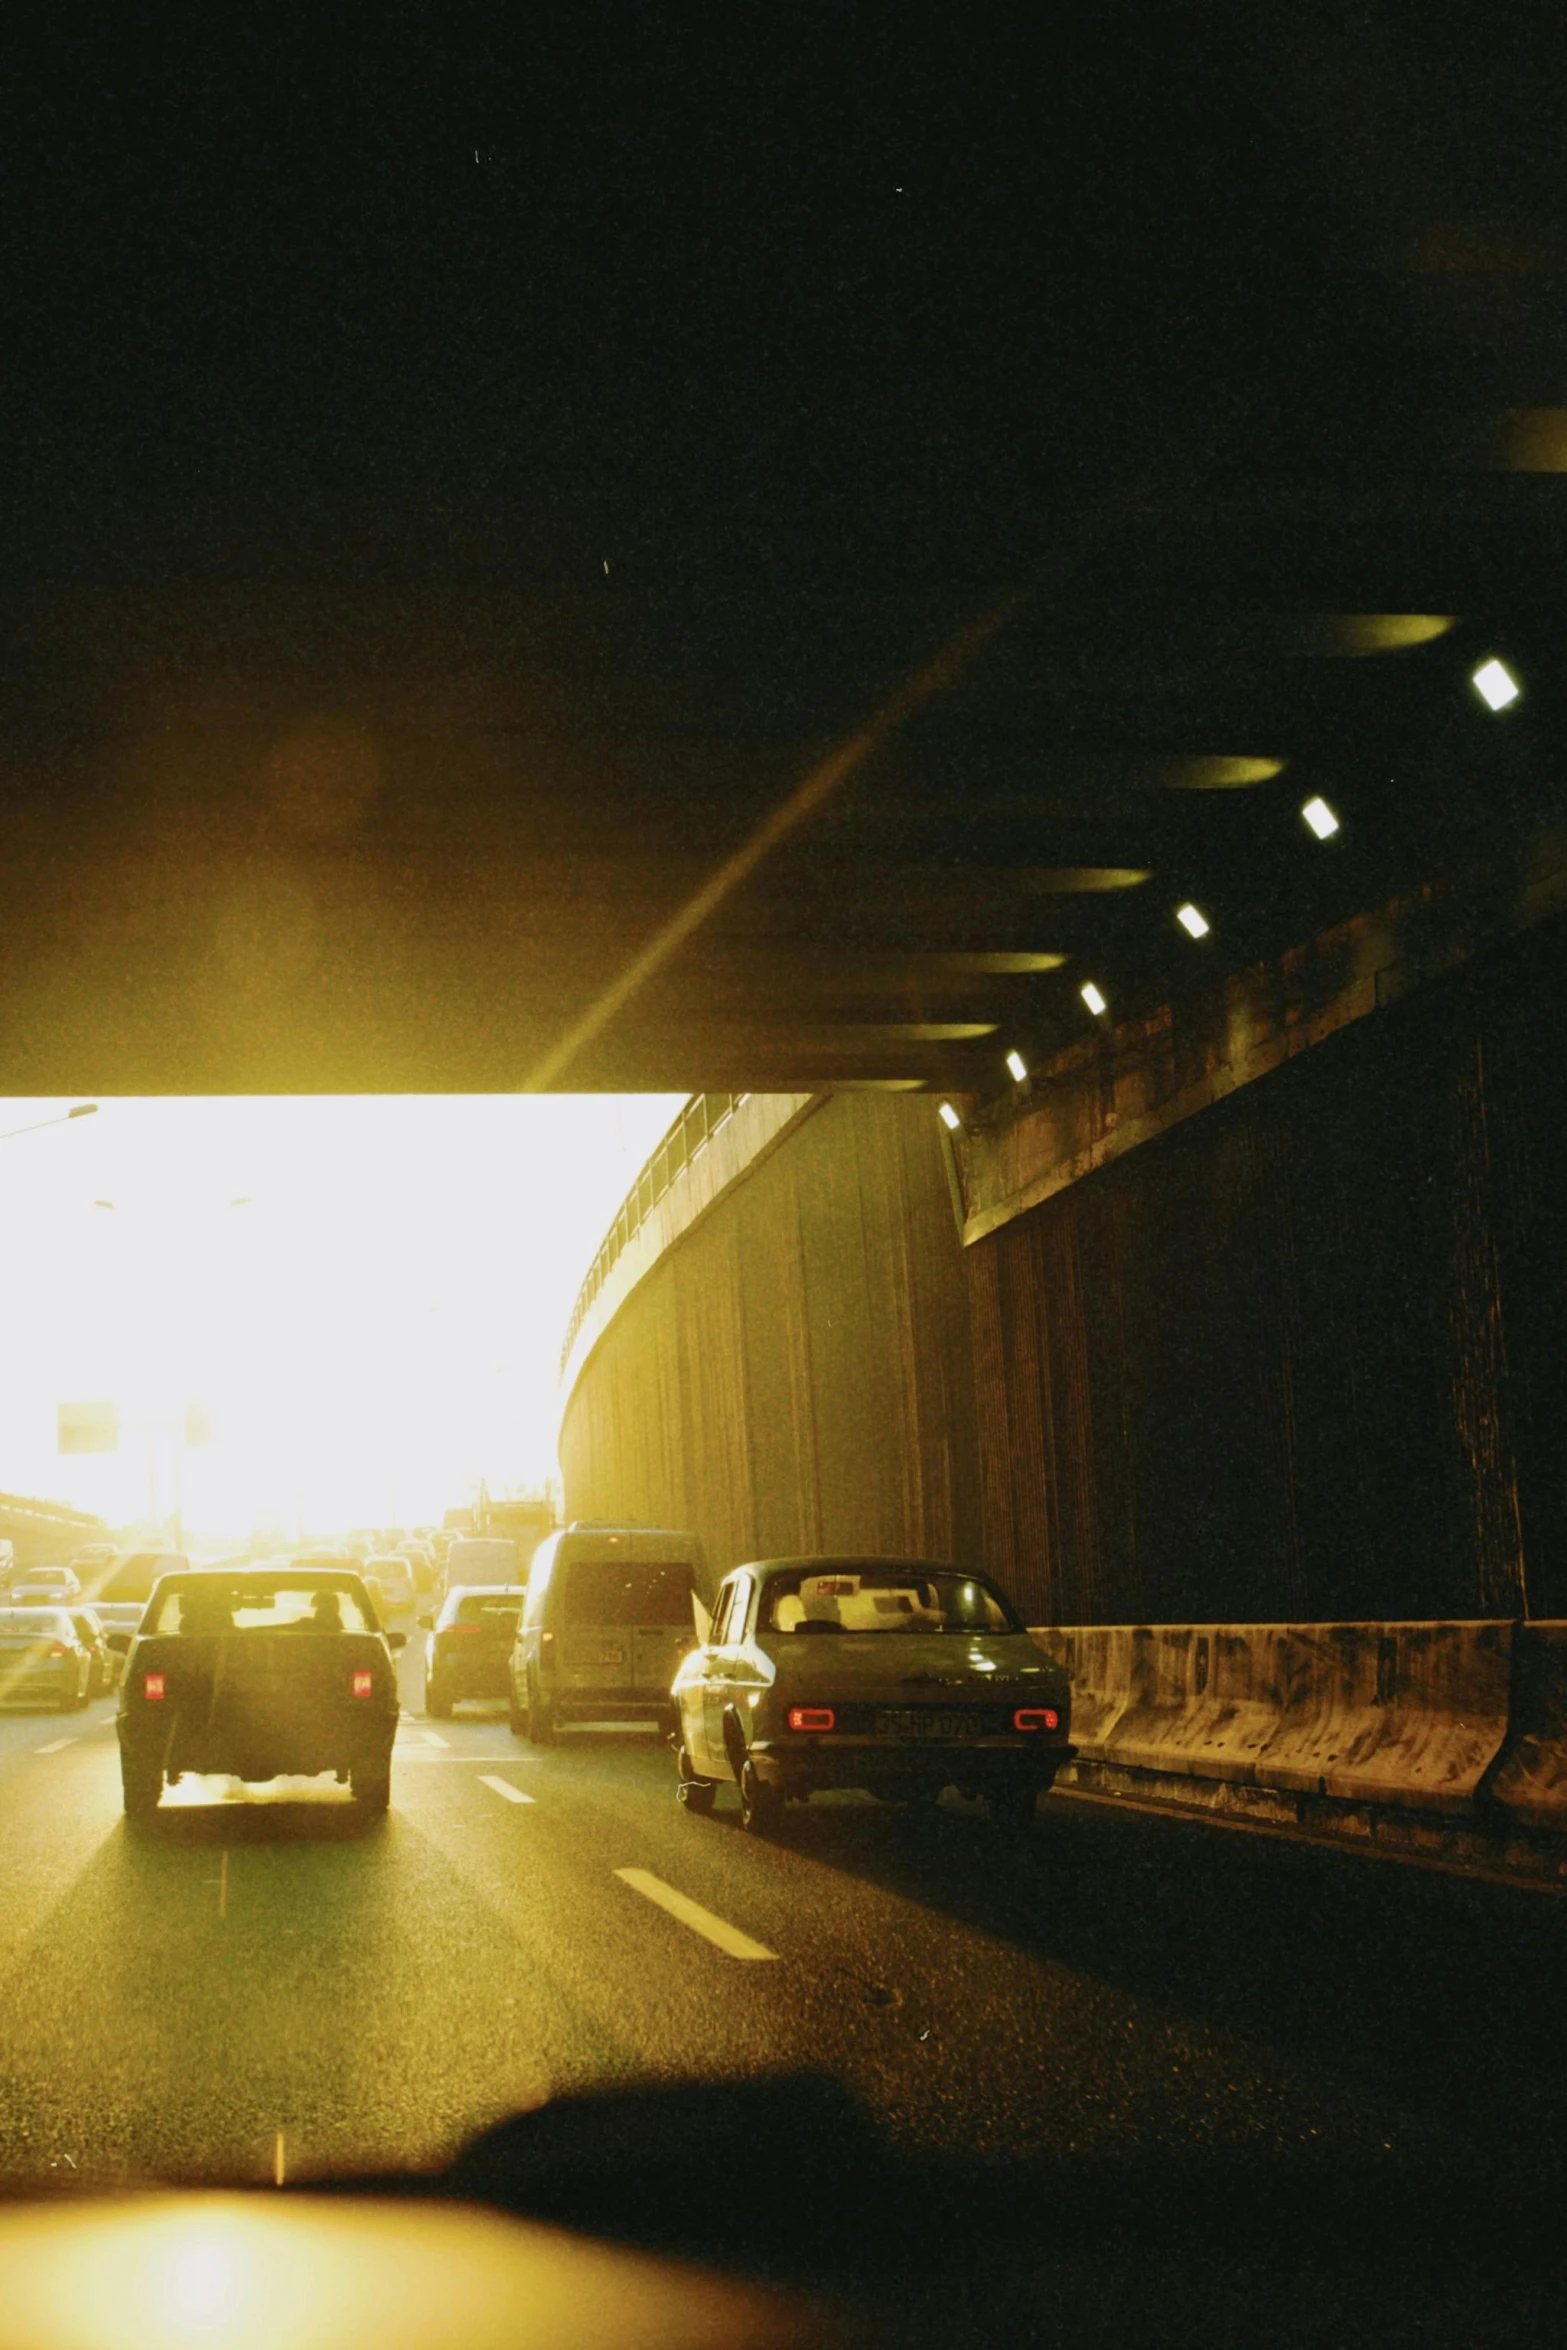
(1321, 818)
(1093, 999)
(1018, 1067)
(949, 1117)
(1495, 684)
(1194, 924)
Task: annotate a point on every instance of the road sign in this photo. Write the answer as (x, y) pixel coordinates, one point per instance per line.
(89, 1427)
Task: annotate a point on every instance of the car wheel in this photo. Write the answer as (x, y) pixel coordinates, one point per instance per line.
(760, 1805)
(371, 1786)
(437, 1700)
(515, 1716)
(691, 1792)
(1013, 1808)
(142, 1784)
(538, 1724)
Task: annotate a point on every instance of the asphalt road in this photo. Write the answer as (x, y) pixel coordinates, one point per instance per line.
(258, 1982)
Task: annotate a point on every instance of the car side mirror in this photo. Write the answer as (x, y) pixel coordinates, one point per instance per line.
(117, 1640)
(397, 1640)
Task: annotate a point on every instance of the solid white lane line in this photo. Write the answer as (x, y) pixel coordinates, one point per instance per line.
(505, 1787)
(54, 1746)
(692, 1914)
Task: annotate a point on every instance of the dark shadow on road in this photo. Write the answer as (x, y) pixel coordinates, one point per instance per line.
(1446, 1993)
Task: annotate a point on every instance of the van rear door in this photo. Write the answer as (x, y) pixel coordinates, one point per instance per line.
(663, 1629)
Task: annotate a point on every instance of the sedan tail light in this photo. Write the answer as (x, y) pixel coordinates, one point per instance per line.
(152, 1686)
(1036, 1717)
(364, 1684)
(58, 1648)
(811, 1717)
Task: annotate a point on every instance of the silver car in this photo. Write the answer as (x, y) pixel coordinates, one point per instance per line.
(896, 1676)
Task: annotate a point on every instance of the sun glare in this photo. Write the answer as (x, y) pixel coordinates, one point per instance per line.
(357, 1302)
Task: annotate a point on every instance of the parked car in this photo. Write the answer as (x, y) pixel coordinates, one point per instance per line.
(257, 1673)
(469, 1645)
(43, 1661)
(607, 1619)
(93, 1635)
(44, 1587)
(897, 1676)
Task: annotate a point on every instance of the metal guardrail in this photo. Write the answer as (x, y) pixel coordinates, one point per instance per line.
(682, 1145)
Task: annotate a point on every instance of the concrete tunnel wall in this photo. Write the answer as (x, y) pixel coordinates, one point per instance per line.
(1299, 1357)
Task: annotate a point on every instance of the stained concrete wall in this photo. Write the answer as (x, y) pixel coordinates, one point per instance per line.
(1299, 1357)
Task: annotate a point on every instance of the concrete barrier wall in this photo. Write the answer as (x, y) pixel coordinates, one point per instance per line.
(1410, 1715)
(1531, 1786)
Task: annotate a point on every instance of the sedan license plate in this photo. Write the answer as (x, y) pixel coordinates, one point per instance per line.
(922, 1722)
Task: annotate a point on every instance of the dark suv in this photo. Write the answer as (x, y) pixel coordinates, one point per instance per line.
(469, 1645)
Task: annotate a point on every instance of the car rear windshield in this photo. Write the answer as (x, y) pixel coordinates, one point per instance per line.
(42, 1623)
(620, 1591)
(495, 1615)
(890, 1599)
(213, 1605)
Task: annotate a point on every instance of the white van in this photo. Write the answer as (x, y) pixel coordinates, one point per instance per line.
(608, 1617)
(483, 1559)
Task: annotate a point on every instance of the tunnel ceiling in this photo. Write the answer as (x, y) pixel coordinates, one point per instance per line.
(765, 558)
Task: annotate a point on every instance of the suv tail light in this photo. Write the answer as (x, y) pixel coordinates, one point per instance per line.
(152, 1685)
(811, 1717)
(1036, 1717)
(58, 1648)
(364, 1683)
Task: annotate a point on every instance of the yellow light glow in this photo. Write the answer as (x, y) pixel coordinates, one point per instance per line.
(1093, 998)
(1215, 774)
(1359, 633)
(1017, 1066)
(949, 1117)
(1320, 817)
(1495, 684)
(1194, 924)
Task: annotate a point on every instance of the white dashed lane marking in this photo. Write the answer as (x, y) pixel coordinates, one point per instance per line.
(691, 1913)
(432, 1738)
(54, 1746)
(505, 1787)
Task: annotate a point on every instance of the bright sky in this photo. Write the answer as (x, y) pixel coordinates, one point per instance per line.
(375, 1329)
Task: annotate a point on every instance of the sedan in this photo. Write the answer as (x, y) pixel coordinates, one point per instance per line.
(42, 1659)
(894, 1676)
(44, 1587)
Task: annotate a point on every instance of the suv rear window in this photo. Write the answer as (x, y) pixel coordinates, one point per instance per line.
(496, 1615)
(624, 1591)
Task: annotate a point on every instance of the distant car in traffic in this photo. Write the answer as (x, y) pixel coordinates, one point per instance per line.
(896, 1676)
(121, 1600)
(607, 1619)
(44, 1586)
(43, 1660)
(489, 1559)
(469, 1644)
(257, 1673)
(391, 1579)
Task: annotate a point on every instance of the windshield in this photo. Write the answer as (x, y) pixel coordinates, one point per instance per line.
(214, 1605)
(37, 1623)
(883, 1600)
